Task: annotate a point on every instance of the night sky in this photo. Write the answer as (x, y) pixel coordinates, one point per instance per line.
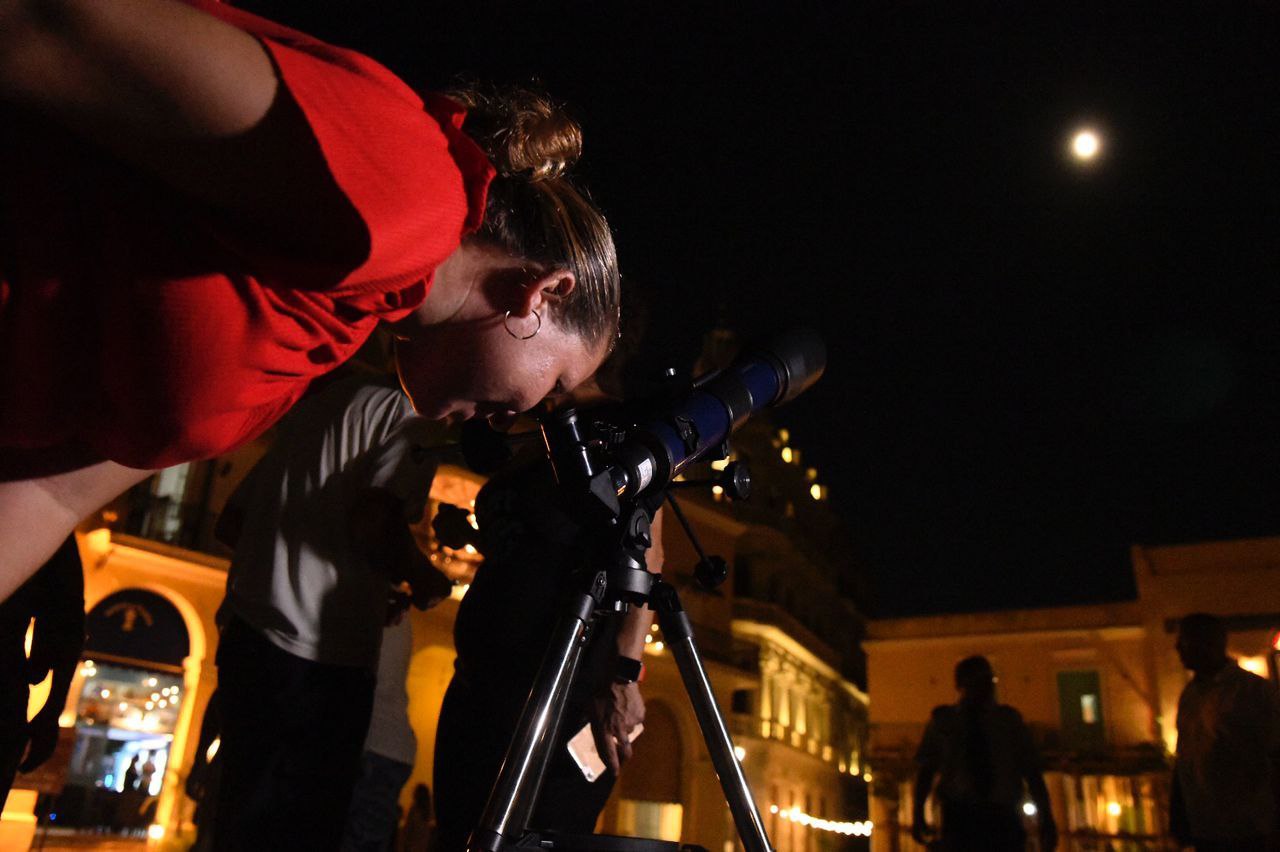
(1032, 364)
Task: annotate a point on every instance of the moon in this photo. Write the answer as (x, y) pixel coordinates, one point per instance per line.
(1086, 145)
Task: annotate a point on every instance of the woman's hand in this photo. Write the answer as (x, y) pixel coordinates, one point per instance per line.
(615, 713)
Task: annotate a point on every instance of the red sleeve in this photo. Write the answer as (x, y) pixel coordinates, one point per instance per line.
(416, 182)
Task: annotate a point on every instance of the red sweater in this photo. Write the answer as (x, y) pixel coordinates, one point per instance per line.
(140, 326)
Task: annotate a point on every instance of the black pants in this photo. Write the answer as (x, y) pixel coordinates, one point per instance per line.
(475, 729)
(982, 828)
(292, 735)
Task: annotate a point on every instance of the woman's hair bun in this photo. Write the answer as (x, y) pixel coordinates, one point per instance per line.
(523, 131)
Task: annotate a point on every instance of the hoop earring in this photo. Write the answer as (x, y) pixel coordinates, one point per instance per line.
(506, 319)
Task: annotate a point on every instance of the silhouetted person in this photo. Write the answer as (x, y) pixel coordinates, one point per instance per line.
(54, 597)
(418, 832)
(132, 773)
(1225, 779)
(982, 754)
(147, 773)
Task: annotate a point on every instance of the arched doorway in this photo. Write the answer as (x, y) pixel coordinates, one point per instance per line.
(127, 706)
(650, 788)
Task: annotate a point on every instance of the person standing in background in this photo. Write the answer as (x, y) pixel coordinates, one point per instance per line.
(1226, 778)
(982, 754)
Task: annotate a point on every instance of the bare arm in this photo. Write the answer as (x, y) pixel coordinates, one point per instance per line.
(928, 759)
(36, 515)
(180, 94)
(157, 69)
(619, 708)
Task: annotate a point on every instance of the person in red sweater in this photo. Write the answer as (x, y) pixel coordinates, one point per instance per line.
(202, 211)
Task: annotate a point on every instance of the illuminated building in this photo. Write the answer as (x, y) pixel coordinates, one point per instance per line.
(1098, 685)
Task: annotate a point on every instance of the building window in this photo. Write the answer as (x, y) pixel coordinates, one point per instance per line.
(1080, 710)
(656, 820)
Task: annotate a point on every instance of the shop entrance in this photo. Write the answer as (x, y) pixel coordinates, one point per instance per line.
(127, 702)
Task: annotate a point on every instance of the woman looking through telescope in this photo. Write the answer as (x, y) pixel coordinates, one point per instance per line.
(202, 211)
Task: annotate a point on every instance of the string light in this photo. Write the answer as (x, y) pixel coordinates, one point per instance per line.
(860, 828)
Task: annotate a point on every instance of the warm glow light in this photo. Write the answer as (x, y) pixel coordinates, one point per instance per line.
(471, 519)
(784, 435)
(1113, 808)
(155, 831)
(1086, 145)
(213, 749)
(106, 693)
(122, 706)
(657, 647)
(150, 705)
(1257, 665)
(459, 591)
(1029, 808)
(787, 455)
(717, 491)
(150, 681)
(815, 491)
(719, 464)
(866, 776)
(740, 753)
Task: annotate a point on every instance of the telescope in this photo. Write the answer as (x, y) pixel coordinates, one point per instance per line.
(630, 461)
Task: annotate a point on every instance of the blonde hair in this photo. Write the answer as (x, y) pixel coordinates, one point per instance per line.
(535, 210)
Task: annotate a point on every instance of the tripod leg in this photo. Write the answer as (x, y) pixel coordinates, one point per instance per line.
(678, 633)
(513, 796)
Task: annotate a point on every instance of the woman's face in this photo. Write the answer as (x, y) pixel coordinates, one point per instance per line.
(470, 366)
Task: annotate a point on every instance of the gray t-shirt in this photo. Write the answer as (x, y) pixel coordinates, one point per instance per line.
(295, 576)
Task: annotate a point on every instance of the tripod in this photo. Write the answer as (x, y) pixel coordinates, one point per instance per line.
(621, 581)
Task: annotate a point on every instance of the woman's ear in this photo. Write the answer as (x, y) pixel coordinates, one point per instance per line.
(548, 288)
